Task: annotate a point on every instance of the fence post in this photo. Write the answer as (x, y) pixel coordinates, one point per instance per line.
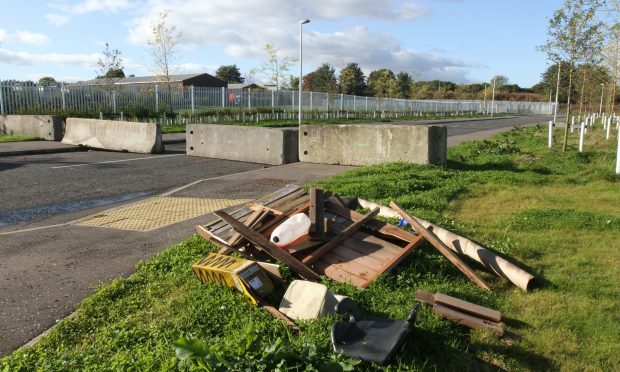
(191, 89)
(366, 103)
(62, 94)
(250, 99)
(354, 103)
(292, 101)
(550, 133)
(273, 103)
(156, 97)
(327, 102)
(1, 98)
(223, 97)
(114, 101)
(311, 102)
(341, 101)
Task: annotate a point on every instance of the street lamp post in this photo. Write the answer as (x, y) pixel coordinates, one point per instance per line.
(301, 76)
(600, 108)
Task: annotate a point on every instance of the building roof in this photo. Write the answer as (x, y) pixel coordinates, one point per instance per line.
(242, 85)
(143, 79)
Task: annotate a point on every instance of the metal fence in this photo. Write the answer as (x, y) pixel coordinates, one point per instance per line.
(17, 97)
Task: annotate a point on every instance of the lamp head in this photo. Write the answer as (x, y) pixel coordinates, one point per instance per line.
(304, 21)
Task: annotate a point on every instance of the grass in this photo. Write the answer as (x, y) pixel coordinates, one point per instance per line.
(556, 213)
(176, 128)
(12, 138)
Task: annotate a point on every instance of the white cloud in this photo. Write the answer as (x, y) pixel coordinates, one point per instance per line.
(106, 6)
(3, 35)
(85, 7)
(26, 58)
(243, 28)
(57, 19)
(28, 37)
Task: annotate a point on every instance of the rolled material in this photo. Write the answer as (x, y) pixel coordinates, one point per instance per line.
(461, 245)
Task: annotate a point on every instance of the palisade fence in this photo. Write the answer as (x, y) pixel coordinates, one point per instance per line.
(89, 100)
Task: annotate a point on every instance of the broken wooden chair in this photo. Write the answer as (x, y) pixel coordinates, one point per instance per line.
(367, 337)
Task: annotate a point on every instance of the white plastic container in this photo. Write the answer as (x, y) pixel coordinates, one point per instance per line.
(290, 230)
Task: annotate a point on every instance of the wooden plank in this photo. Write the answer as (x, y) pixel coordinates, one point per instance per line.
(264, 243)
(257, 207)
(248, 222)
(426, 297)
(340, 237)
(346, 254)
(357, 269)
(316, 212)
(468, 307)
(399, 257)
(337, 273)
(467, 320)
(371, 244)
(303, 244)
(382, 227)
(441, 247)
(268, 227)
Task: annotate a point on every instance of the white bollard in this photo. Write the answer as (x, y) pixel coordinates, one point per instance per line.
(608, 128)
(618, 156)
(550, 133)
(572, 123)
(582, 133)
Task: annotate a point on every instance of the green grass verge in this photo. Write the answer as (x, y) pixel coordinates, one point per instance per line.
(557, 213)
(173, 128)
(11, 138)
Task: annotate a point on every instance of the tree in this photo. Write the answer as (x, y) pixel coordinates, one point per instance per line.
(325, 79)
(574, 37)
(229, 74)
(309, 82)
(276, 67)
(611, 49)
(352, 80)
(47, 81)
(403, 84)
(110, 67)
(382, 83)
(500, 81)
(163, 44)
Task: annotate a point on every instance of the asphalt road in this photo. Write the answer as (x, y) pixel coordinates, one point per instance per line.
(35, 187)
(46, 271)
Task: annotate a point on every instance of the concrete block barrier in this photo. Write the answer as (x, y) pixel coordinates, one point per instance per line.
(273, 146)
(142, 138)
(47, 127)
(366, 144)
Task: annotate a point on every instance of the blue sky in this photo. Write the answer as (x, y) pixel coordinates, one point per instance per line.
(462, 41)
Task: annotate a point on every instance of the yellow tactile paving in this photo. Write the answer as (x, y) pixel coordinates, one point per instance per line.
(157, 212)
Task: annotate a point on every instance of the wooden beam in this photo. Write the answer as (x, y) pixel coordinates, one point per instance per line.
(264, 243)
(334, 242)
(380, 226)
(460, 305)
(235, 239)
(316, 213)
(257, 207)
(466, 319)
(441, 247)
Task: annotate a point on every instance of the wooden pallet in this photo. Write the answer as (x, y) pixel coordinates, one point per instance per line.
(368, 252)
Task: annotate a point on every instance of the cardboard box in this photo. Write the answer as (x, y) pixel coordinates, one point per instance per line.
(234, 272)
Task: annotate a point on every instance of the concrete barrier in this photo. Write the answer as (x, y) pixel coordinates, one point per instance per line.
(273, 146)
(47, 127)
(143, 138)
(366, 144)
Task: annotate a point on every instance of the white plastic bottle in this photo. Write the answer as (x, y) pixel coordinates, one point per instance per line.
(290, 230)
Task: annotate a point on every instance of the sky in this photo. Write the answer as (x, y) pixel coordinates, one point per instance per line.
(463, 41)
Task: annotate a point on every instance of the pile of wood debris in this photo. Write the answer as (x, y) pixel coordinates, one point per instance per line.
(343, 244)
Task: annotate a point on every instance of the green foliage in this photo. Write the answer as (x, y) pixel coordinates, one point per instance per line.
(229, 73)
(276, 67)
(47, 81)
(352, 80)
(324, 79)
(250, 352)
(382, 83)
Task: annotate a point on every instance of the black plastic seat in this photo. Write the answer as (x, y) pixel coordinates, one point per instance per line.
(367, 337)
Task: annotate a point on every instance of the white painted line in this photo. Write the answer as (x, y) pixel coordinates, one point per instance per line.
(116, 161)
